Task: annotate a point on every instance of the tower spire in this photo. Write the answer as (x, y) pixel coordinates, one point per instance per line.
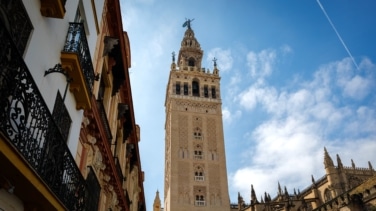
(157, 202)
(190, 54)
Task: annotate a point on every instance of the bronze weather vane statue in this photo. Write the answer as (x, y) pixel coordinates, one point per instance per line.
(188, 23)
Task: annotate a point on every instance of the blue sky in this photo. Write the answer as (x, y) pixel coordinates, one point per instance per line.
(289, 86)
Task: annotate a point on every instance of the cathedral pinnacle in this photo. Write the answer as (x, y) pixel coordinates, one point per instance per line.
(339, 162)
(328, 162)
(253, 196)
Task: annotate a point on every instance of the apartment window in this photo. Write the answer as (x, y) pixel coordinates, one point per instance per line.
(94, 189)
(61, 116)
(214, 94)
(185, 89)
(80, 16)
(177, 88)
(102, 90)
(200, 200)
(195, 89)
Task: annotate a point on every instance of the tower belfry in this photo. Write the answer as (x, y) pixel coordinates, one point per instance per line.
(195, 161)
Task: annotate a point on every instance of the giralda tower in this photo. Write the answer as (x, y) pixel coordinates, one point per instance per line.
(195, 162)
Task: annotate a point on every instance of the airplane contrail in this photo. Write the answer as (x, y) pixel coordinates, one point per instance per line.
(338, 35)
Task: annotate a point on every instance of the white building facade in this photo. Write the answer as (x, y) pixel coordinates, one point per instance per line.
(46, 80)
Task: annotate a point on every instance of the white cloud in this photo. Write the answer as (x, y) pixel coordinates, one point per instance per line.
(224, 58)
(357, 88)
(288, 145)
(257, 93)
(353, 84)
(286, 49)
(228, 117)
(261, 64)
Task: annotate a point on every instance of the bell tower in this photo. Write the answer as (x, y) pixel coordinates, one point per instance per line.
(195, 161)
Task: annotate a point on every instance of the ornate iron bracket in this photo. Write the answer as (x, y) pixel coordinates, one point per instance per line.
(58, 69)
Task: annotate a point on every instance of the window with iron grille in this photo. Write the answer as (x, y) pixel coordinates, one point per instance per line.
(93, 190)
(16, 20)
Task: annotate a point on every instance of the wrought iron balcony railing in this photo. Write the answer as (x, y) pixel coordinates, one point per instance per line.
(104, 120)
(28, 125)
(76, 62)
(76, 43)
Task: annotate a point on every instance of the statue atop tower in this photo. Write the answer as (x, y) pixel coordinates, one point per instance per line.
(187, 23)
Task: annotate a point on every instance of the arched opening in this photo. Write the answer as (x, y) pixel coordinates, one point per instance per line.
(191, 62)
(195, 88)
(327, 195)
(199, 173)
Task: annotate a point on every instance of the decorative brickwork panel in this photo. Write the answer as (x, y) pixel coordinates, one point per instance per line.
(197, 106)
(183, 131)
(199, 190)
(183, 178)
(214, 184)
(211, 134)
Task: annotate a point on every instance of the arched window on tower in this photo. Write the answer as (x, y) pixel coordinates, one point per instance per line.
(199, 173)
(185, 89)
(195, 88)
(197, 134)
(177, 88)
(206, 91)
(200, 200)
(198, 152)
(213, 93)
(191, 62)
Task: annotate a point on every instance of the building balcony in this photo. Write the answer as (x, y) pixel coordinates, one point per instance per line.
(198, 157)
(76, 61)
(27, 127)
(200, 203)
(53, 8)
(199, 178)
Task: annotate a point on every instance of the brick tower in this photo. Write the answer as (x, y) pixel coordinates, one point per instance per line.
(195, 162)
